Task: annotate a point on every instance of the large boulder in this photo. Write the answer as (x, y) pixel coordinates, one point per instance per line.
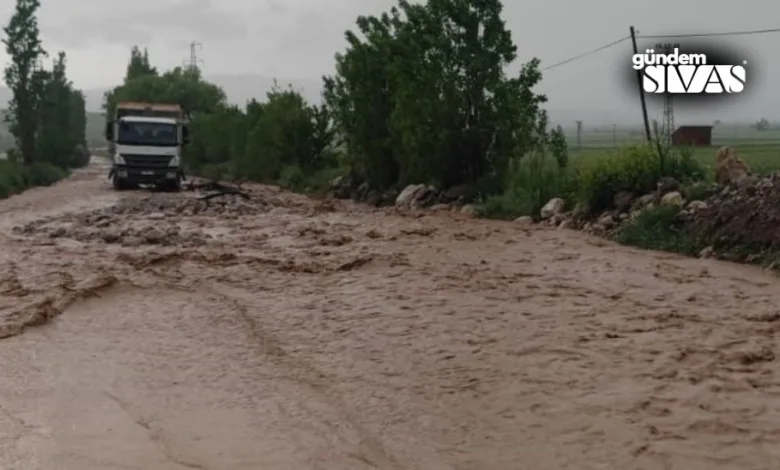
(553, 207)
(729, 168)
(411, 194)
(623, 200)
(673, 199)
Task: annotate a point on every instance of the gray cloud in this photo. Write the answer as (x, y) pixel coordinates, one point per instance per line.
(298, 39)
(148, 22)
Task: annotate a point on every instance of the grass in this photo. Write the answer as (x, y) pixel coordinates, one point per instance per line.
(658, 229)
(761, 152)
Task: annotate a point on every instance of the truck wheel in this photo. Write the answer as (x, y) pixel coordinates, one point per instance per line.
(119, 184)
(174, 186)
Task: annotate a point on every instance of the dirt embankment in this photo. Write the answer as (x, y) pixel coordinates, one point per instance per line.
(284, 333)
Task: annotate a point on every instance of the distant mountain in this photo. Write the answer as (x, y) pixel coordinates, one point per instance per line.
(242, 88)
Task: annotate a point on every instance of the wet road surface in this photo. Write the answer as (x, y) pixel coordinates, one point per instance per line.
(154, 332)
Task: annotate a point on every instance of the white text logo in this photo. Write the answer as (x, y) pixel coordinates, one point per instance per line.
(687, 73)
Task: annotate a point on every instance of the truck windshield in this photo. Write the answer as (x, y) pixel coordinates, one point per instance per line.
(147, 133)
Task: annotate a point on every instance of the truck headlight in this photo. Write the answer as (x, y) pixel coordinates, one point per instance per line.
(175, 161)
(119, 160)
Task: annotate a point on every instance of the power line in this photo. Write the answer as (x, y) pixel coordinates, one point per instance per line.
(585, 54)
(661, 36)
(705, 35)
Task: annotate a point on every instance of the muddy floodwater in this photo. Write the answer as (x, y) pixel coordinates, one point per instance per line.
(157, 332)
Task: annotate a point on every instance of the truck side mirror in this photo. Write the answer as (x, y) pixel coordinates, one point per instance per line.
(110, 130)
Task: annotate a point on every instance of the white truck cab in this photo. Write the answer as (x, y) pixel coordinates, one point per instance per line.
(145, 143)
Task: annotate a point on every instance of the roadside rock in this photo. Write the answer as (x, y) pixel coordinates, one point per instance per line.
(707, 252)
(643, 202)
(695, 206)
(425, 198)
(469, 209)
(441, 207)
(553, 207)
(667, 185)
(410, 194)
(456, 193)
(341, 187)
(567, 224)
(606, 220)
(672, 199)
(623, 200)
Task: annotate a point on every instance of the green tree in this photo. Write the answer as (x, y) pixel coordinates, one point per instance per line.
(359, 97)
(421, 94)
(285, 131)
(22, 75)
(139, 65)
(78, 130)
(55, 143)
(185, 87)
(558, 147)
(62, 120)
(258, 142)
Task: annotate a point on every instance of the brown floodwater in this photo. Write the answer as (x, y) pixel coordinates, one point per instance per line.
(151, 331)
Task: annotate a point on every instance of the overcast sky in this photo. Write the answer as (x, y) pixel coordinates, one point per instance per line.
(297, 39)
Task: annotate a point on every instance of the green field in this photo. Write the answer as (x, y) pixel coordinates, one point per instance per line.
(761, 150)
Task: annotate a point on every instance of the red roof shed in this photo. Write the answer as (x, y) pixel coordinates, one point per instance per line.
(697, 136)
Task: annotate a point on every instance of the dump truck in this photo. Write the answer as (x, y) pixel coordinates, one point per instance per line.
(145, 142)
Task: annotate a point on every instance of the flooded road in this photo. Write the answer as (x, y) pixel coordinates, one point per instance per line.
(156, 332)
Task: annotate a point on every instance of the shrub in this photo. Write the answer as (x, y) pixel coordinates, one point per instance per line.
(292, 178)
(531, 181)
(658, 229)
(80, 157)
(44, 174)
(15, 177)
(633, 168)
(319, 181)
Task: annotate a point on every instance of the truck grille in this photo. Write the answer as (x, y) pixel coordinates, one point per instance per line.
(147, 161)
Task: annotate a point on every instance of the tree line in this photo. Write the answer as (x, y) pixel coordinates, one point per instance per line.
(46, 115)
(420, 95)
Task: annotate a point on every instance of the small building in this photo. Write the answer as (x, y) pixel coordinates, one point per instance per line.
(697, 136)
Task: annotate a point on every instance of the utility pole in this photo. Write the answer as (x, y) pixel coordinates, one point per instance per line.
(641, 90)
(579, 134)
